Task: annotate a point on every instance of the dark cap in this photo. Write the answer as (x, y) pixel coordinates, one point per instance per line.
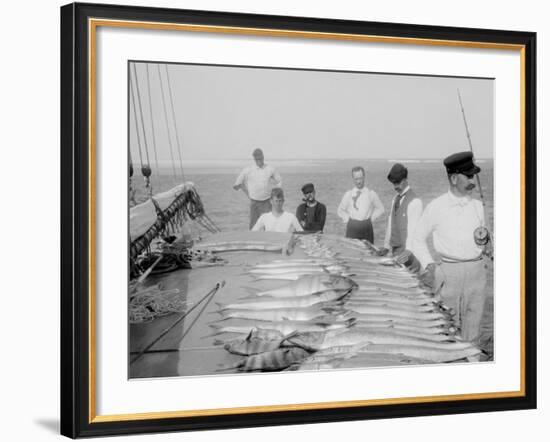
(258, 153)
(306, 188)
(461, 162)
(398, 173)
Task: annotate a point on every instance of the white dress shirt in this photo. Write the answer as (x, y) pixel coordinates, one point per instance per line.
(367, 205)
(452, 221)
(286, 222)
(259, 181)
(414, 212)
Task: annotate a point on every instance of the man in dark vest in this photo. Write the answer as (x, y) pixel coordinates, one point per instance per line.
(406, 210)
(311, 214)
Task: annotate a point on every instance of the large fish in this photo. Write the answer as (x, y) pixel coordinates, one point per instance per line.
(381, 310)
(278, 314)
(391, 304)
(294, 263)
(271, 361)
(307, 285)
(319, 340)
(254, 343)
(305, 268)
(295, 302)
(389, 318)
(373, 288)
(398, 299)
(285, 327)
(422, 352)
(294, 274)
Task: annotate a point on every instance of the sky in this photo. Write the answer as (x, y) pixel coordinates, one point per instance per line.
(225, 112)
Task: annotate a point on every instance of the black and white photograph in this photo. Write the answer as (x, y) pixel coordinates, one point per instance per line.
(288, 220)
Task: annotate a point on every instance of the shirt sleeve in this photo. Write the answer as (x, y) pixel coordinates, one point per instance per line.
(276, 176)
(300, 212)
(342, 210)
(240, 178)
(378, 206)
(419, 244)
(414, 212)
(388, 226)
(260, 224)
(320, 224)
(296, 224)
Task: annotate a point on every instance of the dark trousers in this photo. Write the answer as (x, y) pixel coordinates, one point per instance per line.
(257, 209)
(360, 230)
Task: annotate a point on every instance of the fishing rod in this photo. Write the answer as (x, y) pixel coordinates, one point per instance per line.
(489, 239)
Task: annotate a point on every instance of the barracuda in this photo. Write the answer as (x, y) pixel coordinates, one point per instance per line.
(296, 302)
(428, 353)
(307, 285)
(318, 340)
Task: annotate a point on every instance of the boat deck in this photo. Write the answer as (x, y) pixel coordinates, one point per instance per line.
(186, 349)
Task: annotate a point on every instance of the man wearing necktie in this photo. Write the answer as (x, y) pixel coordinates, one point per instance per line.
(406, 210)
(359, 207)
(455, 221)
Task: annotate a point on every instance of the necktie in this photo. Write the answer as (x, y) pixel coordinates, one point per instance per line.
(355, 198)
(398, 199)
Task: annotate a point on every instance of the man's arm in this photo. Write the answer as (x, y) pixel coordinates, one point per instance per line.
(295, 224)
(260, 224)
(240, 181)
(300, 214)
(276, 177)
(419, 244)
(320, 223)
(414, 212)
(342, 210)
(378, 206)
(388, 227)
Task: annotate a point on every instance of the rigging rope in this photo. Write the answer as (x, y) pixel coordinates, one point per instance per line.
(145, 170)
(167, 125)
(152, 123)
(175, 121)
(131, 191)
(133, 101)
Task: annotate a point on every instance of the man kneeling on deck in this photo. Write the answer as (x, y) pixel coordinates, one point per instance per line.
(277, 220)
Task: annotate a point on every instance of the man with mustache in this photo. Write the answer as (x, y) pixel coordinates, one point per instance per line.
(311, 213)
(454, 221)
(359, 208)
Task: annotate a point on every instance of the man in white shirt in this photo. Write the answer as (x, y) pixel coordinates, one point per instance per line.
(278, 220)
(359, 208)
(256, 182)
(406, 209)
(455, 221)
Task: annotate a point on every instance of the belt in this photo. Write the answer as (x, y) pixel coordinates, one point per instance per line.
(454, 260)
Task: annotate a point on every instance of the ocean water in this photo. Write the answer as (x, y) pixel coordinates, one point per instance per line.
(229, 209)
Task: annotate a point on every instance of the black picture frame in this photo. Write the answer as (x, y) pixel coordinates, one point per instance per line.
(77, 404)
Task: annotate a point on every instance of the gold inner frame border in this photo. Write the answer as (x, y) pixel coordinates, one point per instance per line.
(93, 24)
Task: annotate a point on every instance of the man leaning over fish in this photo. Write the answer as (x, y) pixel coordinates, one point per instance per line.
(405, 212)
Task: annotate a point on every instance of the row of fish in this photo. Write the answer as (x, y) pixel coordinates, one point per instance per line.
(341, 307)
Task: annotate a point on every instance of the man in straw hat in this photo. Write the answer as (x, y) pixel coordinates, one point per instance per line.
(454, 220)
(256, 181)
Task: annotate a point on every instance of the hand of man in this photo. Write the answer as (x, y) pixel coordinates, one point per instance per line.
(382, 252)
(410, 261)
(428, 276)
